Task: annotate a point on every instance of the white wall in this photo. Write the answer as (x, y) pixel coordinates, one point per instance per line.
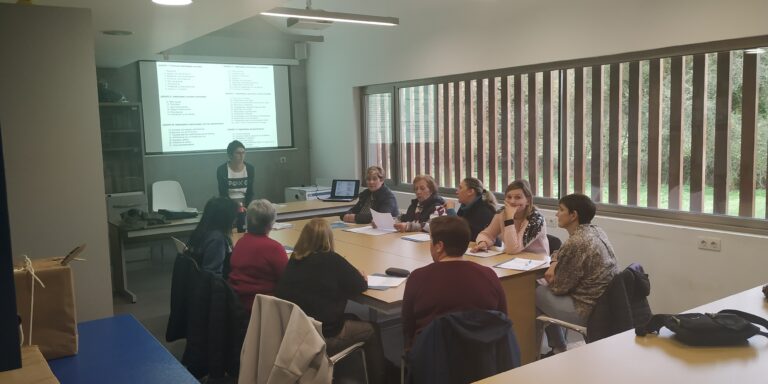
(453, 36)
(52, 144)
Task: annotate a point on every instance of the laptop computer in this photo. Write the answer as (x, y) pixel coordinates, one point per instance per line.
(344, 190)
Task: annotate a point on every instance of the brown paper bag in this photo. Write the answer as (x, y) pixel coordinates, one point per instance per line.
(34, 369)
(54, 324)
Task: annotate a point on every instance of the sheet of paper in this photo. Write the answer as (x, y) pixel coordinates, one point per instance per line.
(521, 264)
(488, 253)
(279, 226)
(369, 230)
(288, 249)
(383, 220)
(384, 282)
(338, 224)
(417, 237)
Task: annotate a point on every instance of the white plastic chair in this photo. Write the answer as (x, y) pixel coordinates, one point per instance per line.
(168, 195)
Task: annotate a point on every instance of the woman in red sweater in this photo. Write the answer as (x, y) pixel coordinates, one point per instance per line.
(257, 261)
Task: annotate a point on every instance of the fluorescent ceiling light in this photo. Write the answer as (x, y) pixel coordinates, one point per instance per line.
(317, 14)
(172, 2)
(755, 51)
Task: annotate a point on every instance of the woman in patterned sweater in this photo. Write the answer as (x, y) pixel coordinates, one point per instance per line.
(580, 270)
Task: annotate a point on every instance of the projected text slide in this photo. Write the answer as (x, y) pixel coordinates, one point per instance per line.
(205, 106)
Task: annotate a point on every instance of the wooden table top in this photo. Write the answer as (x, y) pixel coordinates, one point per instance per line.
(374, 254)
(626, 358)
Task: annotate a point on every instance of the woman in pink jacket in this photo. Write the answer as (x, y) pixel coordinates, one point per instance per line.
(521, 226)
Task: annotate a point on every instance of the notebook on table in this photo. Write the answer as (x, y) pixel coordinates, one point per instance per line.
(344, 190)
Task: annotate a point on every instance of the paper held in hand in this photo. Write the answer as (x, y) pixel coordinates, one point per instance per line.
(493, 251)
(521, 264)
(385, 223)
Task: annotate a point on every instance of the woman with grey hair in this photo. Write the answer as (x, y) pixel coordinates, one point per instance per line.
(257, 261)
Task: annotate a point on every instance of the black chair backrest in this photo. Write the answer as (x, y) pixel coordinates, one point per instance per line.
(463, 347)
(554, 243)
(623, 305)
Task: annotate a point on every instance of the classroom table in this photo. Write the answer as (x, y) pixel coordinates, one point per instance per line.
(629, 359)
(119, 238)
(119, 350)
(374, 254)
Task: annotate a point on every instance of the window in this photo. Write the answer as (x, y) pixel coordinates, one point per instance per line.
(682, 129)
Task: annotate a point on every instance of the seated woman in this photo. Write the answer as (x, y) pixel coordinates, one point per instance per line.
(377, 197)
(257, 261)
(520, 224)
(478, 205)
(432, 291)
(235, 177)
(210, 244)
(422, 206)
(580, 270)
(320, 281)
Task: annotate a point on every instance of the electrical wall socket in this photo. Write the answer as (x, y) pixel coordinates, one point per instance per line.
(709, 243)
(283, 160)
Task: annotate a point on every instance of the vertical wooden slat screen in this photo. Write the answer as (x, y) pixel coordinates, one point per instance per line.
(480, 144)
(468, 161)
(546, 124)
(432, 135)
(533, 138)
(597, 134)
(564, 159)
(579, 146)
(655, 78)
(614, 138)
(385, 145)
(633, 134)
(748, 142)
(405, 153)
(722, 127)
(698, 132)
(506, 155)
(493, 163)
(675, 180)
(422, 147)
(419, 112)
(446, 133)
(456, 134)
(518, 137)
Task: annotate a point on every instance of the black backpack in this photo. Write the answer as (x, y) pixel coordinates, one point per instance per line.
(727, 327)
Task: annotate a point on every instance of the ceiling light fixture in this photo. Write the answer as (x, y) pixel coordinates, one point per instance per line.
(754, 51)
(172, 2)
(318, 14)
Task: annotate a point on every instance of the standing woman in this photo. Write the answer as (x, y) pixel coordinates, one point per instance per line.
(478, 205)
(425, 203)
(520, 224)
(320, 281)
(210, 244)
(235, 177)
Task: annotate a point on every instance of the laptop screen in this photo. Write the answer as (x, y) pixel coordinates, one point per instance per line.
(345, 189)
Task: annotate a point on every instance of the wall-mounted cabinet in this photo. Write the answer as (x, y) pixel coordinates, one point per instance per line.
(121, 147)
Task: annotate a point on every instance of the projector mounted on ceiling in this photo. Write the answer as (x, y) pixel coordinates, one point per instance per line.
(316, 25)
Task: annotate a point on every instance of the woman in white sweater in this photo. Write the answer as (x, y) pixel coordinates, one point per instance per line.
(521, 226)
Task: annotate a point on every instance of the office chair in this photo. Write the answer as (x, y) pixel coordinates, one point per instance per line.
(622, 306)
(554, 243)
(267, 340)
(462, 347)
(168, 195)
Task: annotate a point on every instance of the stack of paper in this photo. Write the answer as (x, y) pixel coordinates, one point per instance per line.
(369, 230)
(382, 282)
(521, 264)
(417, 237)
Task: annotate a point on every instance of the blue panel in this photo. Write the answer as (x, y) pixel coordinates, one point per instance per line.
(119, 350)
